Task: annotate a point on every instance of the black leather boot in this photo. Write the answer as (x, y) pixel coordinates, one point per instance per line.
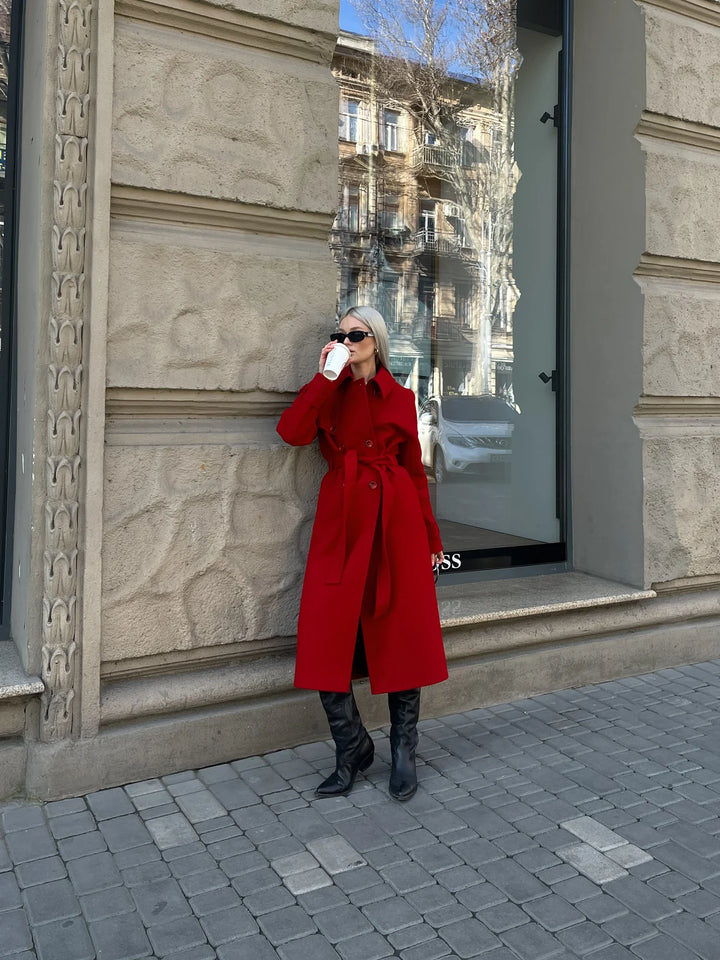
(354, 747)
(404, 712)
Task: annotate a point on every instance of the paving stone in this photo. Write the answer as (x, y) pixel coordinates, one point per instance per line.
(33, 843)
(576, 889)
(96, 872)
(255, 947)
(108, 804)
(307, 880)
(229, 847)
(553, 912)
(314, 947)
(458, 878)
(159, 901)
(584, 938)
(590, 862)
(63, 940)
(214, 901)
(672, 884)
(335, 854)
(171, 831)
(182, 934)
(234, 794)
(701, 903)
(468, 938)
(692, 837)
(412, 936)
(391, 914)
(601, 908)
(146, 873)
(406, 877)
(429, 950)
(641, 899)
(322, 899)
(34, 872)
(287, 924)
(155, 811)
(663, 948)
(503, 916)
(198, 883)
(10, 898)
(629, 929)
(120, 938)
(368, 946)
(480, 895)
(200, 805)
(265, 901)
(430, 898)
(83, 845)
(373, 894)
(61, 808)
(122, 833)
(51, 901)
(250, 881)
(107, 903)
(693, 934)
(628, 855)
(342, 923)
(136, 856)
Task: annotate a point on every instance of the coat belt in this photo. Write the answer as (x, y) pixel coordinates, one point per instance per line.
(385, 465)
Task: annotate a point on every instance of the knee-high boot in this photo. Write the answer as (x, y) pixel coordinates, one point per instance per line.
(354, 747)
(404, 712)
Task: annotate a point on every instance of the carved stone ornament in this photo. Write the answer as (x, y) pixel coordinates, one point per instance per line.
(60, 650)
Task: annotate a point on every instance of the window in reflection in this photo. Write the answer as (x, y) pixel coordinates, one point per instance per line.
(446, 223)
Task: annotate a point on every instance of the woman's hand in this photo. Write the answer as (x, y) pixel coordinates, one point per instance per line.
(437, 558)
(324, 355)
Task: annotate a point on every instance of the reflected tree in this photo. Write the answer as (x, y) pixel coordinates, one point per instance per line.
(444, 59)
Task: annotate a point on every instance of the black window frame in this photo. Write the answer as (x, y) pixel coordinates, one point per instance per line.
(8, 353)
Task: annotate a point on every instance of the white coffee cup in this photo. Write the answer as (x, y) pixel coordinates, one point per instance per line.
(335, 361)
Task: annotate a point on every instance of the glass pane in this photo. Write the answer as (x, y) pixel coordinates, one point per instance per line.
(447, 224)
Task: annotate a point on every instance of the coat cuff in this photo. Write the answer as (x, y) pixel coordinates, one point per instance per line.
(319, 389)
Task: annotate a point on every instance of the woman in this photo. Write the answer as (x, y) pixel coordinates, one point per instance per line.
(368, 596)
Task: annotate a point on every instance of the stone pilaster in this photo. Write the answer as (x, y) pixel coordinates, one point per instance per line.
(60, 650)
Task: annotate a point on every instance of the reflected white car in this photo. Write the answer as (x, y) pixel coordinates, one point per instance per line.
(461, 434)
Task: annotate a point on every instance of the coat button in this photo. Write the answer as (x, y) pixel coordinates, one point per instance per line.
(333, 429)
(372, 484)
(369, 443)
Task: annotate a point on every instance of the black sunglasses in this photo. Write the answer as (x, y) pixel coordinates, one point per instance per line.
(355, 336)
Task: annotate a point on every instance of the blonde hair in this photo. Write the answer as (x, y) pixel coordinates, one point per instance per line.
(373, 319)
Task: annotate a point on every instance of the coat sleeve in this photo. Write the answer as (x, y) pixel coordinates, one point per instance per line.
(410, 457)
(298, 425)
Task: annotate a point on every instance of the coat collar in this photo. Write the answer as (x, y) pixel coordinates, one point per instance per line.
(383, 380)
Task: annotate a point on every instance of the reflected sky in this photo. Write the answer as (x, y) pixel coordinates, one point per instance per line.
(349, 20)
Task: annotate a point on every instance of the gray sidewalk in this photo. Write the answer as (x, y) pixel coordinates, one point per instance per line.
(582, 823)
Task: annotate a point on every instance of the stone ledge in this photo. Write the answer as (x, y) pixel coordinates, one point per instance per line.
(15, 684)
(531, 597)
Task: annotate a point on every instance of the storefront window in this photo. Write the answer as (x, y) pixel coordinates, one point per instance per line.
(10, 14)
(449, 202)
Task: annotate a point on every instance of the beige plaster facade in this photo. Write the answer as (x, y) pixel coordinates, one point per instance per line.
(179, 185)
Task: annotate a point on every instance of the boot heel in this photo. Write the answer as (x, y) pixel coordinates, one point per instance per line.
(368, 760)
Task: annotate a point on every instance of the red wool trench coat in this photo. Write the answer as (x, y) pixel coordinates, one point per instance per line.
(369, 558)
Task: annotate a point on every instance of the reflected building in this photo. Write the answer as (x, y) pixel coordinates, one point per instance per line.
(416, 230)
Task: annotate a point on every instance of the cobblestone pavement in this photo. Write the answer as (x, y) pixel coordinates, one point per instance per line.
(578, 824)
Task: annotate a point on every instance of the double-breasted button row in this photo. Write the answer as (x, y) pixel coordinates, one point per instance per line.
(369, 443)
(373, 484)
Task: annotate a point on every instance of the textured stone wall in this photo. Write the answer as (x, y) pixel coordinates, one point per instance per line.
(221, 284)
(679, 412)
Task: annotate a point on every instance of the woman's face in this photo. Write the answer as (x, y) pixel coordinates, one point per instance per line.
(359, 352)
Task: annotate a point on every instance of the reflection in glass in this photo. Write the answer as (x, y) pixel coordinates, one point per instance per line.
(425, 232)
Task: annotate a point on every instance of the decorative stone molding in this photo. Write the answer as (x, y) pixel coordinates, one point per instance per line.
(707, 11)
(675, 130)
(162, 206)
(60, 640)
(141, 402)
(233, 26)
(677, 268)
